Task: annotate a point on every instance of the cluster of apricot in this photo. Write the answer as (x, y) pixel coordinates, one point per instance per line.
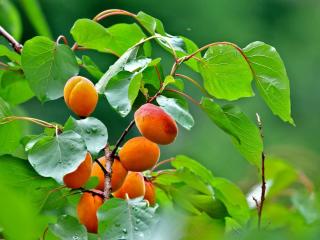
(136, 155)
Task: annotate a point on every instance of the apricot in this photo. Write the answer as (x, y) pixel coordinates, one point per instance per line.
(80, 176)
(80, 96)
(139, 154)
(150, 193)
(133, 186)
(155, 124)
(87, 211)
(119, 174)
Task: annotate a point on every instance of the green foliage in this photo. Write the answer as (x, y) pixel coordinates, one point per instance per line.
(226, 73)
(57, 155)
(208, 207)
(246, 136)
(126, 219)
(68, 227)
(271, 78)
(92, 130)
(47, 67)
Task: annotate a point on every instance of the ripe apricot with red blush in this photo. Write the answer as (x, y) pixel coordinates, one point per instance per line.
(150, 194)
(155, 124)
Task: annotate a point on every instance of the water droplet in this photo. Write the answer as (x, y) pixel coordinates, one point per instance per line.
(75, 237)
(124, 231)
(88, 131)
(117, 224)
(138, 221)
(136, 229)
(122, 238)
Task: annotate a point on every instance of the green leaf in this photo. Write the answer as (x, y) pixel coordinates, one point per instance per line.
(6, 52)
(245, 134)
(131, 219)
(35, 14)
(117, 67)
(91, 183)
(181, 45)
(14, 88)
(91, 67)
(47, 67)
(56, 156)
(181, 162)
(92, 130)
(232, 197)
(226, 73)
(116, 40)
(10, 18)
(271, 78)
(122, 90)
(68, 227)
(168, 80)
(177, 111)
(10, 133)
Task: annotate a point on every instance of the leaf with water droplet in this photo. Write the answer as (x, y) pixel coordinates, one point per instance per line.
(137, 219)
(92, 130)
(67, 228)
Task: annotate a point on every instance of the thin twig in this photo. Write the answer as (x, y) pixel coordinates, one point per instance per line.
(14, 43)
(194, 82)
(101, 166)
(161, 163)
(184, 95)
(63, 38)
(263, 178)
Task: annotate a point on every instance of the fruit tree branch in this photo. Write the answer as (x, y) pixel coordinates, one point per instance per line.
(14, 43)
(263, 178)
(108, 168)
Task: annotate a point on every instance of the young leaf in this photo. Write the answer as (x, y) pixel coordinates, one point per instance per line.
(47, 67)
(271, 78)
(245, 134)
(56, 156)
(116, 68)
(10, 133)
(226, 73)
(177, 111)
(14, 88)
(131, 219)
(92, 130)
(13, 56)
(232, 197)
(68, 227)
(116, 39)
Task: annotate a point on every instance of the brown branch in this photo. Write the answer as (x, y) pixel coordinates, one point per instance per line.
(101, 166)
(14, 43)
(63, 38)
(108, 168)
(263, 178)
(161, 163)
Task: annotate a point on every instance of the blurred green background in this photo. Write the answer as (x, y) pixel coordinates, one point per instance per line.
(292, 26)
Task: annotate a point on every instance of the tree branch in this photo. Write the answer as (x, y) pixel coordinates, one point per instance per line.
(263, 178)
(14, 43)
(108, 168)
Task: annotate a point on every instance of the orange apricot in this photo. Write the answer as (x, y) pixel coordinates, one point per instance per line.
(133, 186)
(80, 176)
(155, 124)
(87, 211)
(119, 174)
(150, 194)
(139, 154)
(80, 96)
